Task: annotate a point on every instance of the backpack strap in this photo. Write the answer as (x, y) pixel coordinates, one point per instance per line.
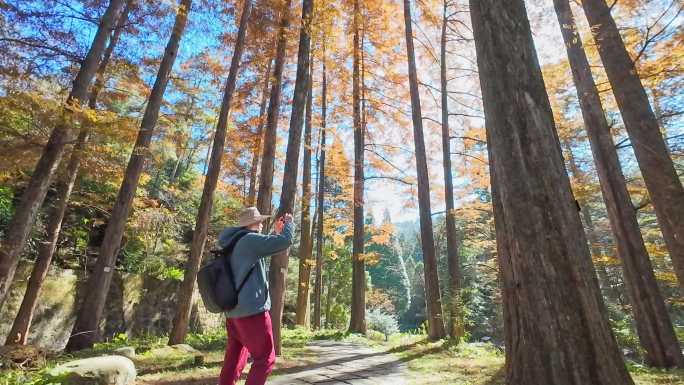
(244, 281)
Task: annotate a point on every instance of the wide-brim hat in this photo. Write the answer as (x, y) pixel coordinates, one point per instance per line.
(249, 216)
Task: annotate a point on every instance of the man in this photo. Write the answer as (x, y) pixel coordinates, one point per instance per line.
(249, 323)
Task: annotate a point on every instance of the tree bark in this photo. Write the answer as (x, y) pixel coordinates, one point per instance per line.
(328, 301)
(22, 322)
(456, 327)
(279, 262)
(199, 236)
(592, 236)
(654, 327)
(318, 284)
(357, 323)
(87, 327)
(270, 135)
(306, 244)
(25, 214)
(251, 195)
(660, 176)
(554, 317)
(432, 295)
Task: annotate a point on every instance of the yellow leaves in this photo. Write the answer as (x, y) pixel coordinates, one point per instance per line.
(382, 235)
(656, 250)
(379, 299)
(338, 238)
(667, 277)
(606, 260)
(370, 258)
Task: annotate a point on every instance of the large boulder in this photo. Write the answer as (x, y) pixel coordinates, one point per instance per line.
(106, 370)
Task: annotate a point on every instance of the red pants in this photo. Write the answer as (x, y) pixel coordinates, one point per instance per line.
(252, 334)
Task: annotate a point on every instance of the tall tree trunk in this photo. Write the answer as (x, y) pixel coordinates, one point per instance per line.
(328, 301)
(592, 236)
(278, 267)
(87, 327)
(199, 236)
(32, 198)
(256, 153)
(22, 322)
(554, 317)
(270, 135)
(654, 327)
(432, 296)
(318, 285)
(456, 328)
(660, 176)
(357, 323)
(306, 243)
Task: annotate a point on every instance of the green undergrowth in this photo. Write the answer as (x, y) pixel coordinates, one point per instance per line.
(441, 362)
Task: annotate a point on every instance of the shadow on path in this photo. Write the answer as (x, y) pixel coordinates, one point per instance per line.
(385, 367)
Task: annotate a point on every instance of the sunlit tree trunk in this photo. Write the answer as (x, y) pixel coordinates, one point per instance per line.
(455, 320)
(278, 267)
(87, 327)
(660, 176)
(270, 134)
(32, 198)
(256, 155)
(306, 243)
(199, 237)
(432, 295)
(357, 324)
(653, 324)
(22, 322)
(320, 240)
(556, 326)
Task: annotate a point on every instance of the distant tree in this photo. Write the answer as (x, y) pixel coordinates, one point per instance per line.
(320, 196)
(652, 320)
(306, 241)
(661, 178)
(434, 304)
(270, 134)
(25, 213)
(199, 237)
(279, 262)
(22, 322)
(87, 327)
(358, 308)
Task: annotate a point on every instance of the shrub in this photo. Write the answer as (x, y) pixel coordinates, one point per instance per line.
(382, 322)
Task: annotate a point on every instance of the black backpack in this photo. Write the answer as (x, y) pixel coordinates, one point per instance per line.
(216, 281)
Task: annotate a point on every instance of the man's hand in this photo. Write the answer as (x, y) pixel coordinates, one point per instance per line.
(280, 223)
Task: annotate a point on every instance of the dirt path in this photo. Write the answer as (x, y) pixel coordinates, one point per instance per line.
(333, 362)
(345, 363)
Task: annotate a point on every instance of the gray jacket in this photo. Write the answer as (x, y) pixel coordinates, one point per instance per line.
(250, 251)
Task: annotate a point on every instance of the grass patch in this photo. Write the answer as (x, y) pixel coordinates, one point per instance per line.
(441, 362)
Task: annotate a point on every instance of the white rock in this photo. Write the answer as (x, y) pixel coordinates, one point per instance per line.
(106, 370)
